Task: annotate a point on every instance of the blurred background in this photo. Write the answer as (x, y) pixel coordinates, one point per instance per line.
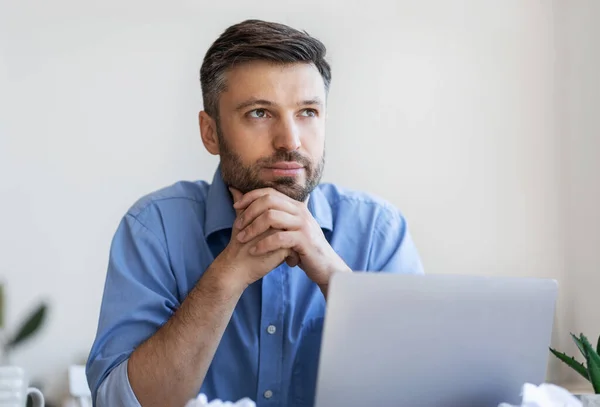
(479, 119)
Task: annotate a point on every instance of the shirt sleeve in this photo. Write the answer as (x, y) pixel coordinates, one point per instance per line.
(115, 390)
(393, 249)
(140, 295)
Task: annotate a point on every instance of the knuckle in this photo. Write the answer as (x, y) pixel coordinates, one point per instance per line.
(250, 217)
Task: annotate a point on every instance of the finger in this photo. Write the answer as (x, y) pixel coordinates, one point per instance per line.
(261, 205)
(270, 219)
(286, 255)
(276, 241)
(252, 196)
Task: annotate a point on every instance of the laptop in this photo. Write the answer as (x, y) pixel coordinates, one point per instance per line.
(395, 340)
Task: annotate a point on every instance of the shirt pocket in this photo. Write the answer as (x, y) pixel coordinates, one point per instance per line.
(306, 363)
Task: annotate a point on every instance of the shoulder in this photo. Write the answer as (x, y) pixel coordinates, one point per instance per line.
(174, 195)
(349, 202)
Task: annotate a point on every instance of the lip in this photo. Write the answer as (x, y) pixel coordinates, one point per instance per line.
(285, 166)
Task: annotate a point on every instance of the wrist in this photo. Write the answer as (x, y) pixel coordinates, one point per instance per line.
(336, 267)
(225, 278)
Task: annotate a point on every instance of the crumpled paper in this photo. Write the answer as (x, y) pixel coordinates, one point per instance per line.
(546, 395)
(202, 401)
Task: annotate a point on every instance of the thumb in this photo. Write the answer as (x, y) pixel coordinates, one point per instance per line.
(236, 195)
(293, 259)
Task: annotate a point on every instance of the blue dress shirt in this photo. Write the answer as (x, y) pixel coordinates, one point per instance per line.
(270, 349)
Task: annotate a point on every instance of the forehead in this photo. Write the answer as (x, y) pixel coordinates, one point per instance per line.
(282, 84)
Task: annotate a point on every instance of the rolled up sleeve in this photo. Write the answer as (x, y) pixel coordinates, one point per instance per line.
(140, 295)
(115, 390)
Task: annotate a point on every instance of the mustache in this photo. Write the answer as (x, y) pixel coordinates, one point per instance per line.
(287, 156)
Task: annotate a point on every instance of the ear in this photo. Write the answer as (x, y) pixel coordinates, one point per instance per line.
(208, 132)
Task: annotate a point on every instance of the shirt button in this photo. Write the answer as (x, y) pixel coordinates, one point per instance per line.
(271, 329)
(268, 394)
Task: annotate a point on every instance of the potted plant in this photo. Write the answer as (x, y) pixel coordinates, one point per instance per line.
(589, 370)
(28, 327)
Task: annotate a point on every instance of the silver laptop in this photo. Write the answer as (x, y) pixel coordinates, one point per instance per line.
(396, 340)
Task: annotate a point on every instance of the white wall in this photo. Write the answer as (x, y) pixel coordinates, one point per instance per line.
(578, 101)
(448, 109)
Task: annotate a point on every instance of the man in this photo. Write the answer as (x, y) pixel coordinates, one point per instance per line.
(221, 288)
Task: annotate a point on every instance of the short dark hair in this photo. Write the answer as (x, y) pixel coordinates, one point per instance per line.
(257, 40)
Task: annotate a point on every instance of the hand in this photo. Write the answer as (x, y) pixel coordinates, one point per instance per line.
(295, 228)
(245, 267)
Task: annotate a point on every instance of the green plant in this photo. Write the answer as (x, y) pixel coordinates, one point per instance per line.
(590, 370)
(26, 329)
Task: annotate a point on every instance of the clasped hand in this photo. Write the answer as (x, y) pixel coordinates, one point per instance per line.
(271, 228)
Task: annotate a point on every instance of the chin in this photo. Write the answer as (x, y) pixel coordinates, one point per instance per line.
(295, 191)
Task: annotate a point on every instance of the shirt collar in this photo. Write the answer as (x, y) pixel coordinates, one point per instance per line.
(220, 214)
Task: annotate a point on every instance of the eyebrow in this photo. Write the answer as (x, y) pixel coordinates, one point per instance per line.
(263, 102)
(309, 102)
(253, 102)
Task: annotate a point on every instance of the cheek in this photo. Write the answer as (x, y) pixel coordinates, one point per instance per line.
(249, 143)
(250, 152)
(313, 141)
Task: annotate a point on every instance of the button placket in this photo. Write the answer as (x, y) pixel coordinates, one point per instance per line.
(270, 344)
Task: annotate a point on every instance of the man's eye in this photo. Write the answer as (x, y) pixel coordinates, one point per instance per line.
(258, 113)
(309, 113)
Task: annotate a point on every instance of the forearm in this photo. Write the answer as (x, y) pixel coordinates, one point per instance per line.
(169, 368)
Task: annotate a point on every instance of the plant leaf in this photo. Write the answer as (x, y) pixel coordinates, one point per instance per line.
(579, 345)
(31, 325)
(598, 346)
(593, 363)
(572, 363)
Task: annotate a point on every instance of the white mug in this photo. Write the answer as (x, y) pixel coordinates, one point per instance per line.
(14, 388)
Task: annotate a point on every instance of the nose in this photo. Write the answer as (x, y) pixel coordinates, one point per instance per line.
(287, 135)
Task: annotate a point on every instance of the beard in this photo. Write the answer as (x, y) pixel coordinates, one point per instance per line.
(246, 178)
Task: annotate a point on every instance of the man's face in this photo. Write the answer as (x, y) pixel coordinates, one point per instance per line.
(271, 128)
